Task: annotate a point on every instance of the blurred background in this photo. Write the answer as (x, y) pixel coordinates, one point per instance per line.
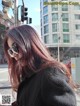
(58, 25)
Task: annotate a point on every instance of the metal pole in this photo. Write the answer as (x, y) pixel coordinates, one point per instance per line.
(16, 11)
(18, 14)
(59, 38)
(23, 2)
(58, 42)
(58, 49)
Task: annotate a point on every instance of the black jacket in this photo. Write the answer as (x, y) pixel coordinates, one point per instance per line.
(48, 87)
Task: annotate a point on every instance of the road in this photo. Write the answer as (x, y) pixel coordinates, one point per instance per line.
(4, 81)
(4, 76)
(5, 87)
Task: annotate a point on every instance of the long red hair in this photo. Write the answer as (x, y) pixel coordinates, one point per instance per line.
(35, 55)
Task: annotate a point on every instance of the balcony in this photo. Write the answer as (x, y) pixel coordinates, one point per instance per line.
(7, 3)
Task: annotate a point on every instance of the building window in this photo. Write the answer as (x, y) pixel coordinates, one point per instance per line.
(65, 27)
(54, 27)
(54, 7)
(66, 38)
(77, 16)
(41, 22)
(77, 26)
(45, 10)
(46, 29)
(40, 5)
(77, 7)
(46, 39)
(41, 14)
(45, 19)
(54, 16)
(77, 36)
(64, 7)
(55, 38)
(65, 17)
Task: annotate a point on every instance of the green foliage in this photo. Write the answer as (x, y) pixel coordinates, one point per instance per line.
(2, 27)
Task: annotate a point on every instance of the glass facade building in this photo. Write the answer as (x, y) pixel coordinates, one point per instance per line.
(60, 24)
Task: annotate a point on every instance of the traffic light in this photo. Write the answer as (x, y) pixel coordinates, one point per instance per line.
(24, 13)
(30, 20)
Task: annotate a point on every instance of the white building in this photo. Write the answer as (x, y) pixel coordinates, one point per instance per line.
(60, 24)
(37, 28)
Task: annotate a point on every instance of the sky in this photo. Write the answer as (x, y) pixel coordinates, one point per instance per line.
(33, 10)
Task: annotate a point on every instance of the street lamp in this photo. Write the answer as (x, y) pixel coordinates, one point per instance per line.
(58, 48)
(58, 25)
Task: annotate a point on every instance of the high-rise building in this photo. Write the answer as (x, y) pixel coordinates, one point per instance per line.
(60, 27)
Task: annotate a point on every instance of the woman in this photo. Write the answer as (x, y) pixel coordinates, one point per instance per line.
(38, 79)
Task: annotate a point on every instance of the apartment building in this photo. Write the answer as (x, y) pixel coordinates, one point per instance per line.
(60, 27)
(5, 23)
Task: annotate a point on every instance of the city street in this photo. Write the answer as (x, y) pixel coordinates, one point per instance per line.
(4, 73)
(5, 87)
(58, 27)
(4, 82)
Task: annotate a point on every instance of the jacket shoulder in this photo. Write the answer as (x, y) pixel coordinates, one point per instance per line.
(55, 74)
(55, 89)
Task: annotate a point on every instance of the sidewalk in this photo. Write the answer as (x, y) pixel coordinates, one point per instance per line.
(4, 75)
(3, 65)
(4, 84)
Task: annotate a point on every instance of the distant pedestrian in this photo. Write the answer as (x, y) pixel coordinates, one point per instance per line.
(38, 78)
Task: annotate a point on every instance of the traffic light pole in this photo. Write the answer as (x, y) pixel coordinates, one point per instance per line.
(16, 12)
(23, 2)
(24, 13)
